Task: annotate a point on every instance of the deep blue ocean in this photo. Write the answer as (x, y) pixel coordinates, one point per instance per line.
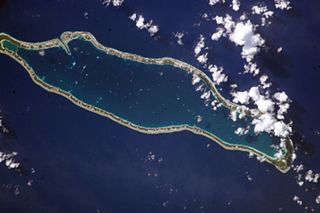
(87, 163)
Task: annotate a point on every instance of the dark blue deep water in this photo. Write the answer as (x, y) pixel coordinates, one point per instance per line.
(86, 163)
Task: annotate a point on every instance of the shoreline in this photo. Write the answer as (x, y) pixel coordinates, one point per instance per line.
(282, 165)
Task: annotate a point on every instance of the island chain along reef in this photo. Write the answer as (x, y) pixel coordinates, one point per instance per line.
(113, 84)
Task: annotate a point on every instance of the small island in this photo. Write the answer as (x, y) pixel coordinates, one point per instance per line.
(149, 95)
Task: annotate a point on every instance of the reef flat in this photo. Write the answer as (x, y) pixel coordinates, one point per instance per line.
(149, 95)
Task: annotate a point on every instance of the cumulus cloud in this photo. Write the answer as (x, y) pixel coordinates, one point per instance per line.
(281, 97)
(116, 3)
(263, 81)
(233, 115)
(202, 59)
(8, 160)
(244, 35)
(279, 49)
(254, 93)
(179, 36)
(195, 79)
(268, 110)
(141, 24)
(199, 46)
(265, 120)
(241, 97)
(264, 12)
(226, 21)
(312, 177)
(251, 68)
(217, 35)
(241, 131)
(235, 5)
(205, 95)
(153, 29)
(282, 4)
(283, 108)
(264, 123)
(282, 101)
(281, 129)
(217, 74)
(264, 104)
(213, 2)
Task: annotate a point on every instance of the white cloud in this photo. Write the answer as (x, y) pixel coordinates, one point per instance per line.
(179, 36)
(254, 93)
(251, 68)
(318, 199)
(241, 97)
(153, 29)
(199, 46)
(265, 105)
(202, 59)
(216, 36)
(243, 35)
(199, 118)
(116, 3)
(235, 5)
(312, 177)
(8, 160)
(205, 95)
(214, 104)
(42, 53)
(281, 97)
(298, 168)
(264, 12)
(263, 81)
(133, 17)
(264, 119)
(279, 154)
(283, 108)
(200, 87)
(283, 104)
(217, 74)
(213, 2)
(281, 129)
(239, 131)
(141, 24)
(195, 79)
(226, 21)
(259, 9)
(297, 200)
(282, 4)
(267, 123)
(233, 115)
(264, 123)
(279, 49)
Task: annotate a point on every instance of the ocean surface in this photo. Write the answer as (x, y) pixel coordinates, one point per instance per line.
(84, 162)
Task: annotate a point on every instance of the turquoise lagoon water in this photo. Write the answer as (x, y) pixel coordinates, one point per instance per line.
(146, 95)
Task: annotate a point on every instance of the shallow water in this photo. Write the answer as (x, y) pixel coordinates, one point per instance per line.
(147, 95)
